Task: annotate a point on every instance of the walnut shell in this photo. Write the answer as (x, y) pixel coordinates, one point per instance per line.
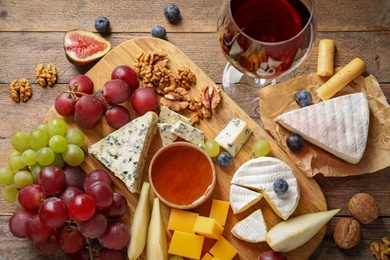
(347, 233)
(364, 208)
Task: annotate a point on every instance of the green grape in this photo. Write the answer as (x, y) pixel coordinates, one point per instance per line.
(75, 136)
(56, 126)
(74, 155)
(15, 162)
(261, 148)
(29, 157)
(45, 156)
(6, 176)
(37, 139)
(212, 148)
(43, 127)
(58, 143)
(58, 160)
(19, 141)
(176, 257)
(13, 153)
(18, 206)
(22, 179)
(10, 193)
(35, 169)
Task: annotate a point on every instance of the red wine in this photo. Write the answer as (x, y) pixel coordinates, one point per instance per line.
(270, 20)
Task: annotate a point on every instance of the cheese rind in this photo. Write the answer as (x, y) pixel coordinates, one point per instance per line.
(242, 198)
(251, 229)
(260, 173)
(124, 151)
(188, 133)
(339, 125)
(233, 136)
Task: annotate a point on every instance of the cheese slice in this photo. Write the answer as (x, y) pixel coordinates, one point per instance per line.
(124, 151)
(252, 228)
(165, 133)
(260, 173)
(241, 198)
(188, 133)
(171, 117)
(339, 125)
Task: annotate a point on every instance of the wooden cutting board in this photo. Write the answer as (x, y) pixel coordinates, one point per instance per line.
(312, 198)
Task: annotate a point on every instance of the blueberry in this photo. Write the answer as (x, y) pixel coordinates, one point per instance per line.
(172, 13)
(294, 142)
(225, 159)
(102, 24)
(280, 186)
(303, 98)
(159, 32)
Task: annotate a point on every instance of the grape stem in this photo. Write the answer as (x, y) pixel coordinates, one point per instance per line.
(107, 105)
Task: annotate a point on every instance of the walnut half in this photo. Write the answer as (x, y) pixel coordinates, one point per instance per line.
(20, 90)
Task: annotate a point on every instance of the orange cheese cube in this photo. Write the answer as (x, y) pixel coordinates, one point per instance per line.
(222, 249)
(208, 227)
(219, 210)
(207, 256)
(186, 245)
(181, 220)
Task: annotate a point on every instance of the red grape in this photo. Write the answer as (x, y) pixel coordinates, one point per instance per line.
(116, 91)
(88, 110)
(65, 104)
(85, 123)
(126, 74)
(99, 95)
(272, 255)
(52, 179)
(116, 237)
(97, 175)
(117, 116)
(17, 222)
(48, 247)
(74, 176)
(82, 254)
(93, 227)
(81, 83)
(101, 192)
(71, 240)
(144, 100)
(117, 208)
(81, 207)
(31, 196)
(68, 194)
(36, 231)
(109, 254)
(53, 212)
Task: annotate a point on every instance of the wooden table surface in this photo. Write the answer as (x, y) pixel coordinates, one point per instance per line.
(31, 33)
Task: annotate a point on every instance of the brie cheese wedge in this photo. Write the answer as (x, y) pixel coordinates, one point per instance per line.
(241, 198)
(259, 175)
(251, 229)
(339, 125)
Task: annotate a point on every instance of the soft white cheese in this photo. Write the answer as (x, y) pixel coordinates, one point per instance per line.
(124, 151)
(241, 198)
(252, 229)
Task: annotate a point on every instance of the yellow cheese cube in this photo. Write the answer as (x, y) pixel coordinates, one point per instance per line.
(208, 227)
(186, 245)
(207, 256)
(223, 250)
(181, 220)
(219, 210)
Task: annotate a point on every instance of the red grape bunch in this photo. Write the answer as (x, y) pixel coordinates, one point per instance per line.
(68, 211)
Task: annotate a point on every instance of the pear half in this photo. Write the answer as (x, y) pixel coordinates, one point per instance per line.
(157, 245)
(294, 232)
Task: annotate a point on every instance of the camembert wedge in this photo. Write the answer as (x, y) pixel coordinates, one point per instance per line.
(124, 151)
(252, 229)
(241, 198)
(339, 125)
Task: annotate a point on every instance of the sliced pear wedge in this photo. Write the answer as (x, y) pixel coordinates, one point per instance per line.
(157, 245)
(296, 231)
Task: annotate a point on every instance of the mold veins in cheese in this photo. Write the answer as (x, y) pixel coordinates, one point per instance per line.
(259, 175)
(339, 125)
(124, 151)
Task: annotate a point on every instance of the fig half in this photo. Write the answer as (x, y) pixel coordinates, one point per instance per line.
(83, 47)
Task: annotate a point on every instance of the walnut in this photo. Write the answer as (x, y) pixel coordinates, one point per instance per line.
(211, 96)
(347, 233)
(185, 78)
(46, 76)
(364, 208)
(175, 105)
(381, 249)
(20, 90)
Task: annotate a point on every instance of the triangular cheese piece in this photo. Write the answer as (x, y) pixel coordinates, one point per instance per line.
(124, 151)
(339, 125)
(260, 173)
(252, 229)
(241, 198)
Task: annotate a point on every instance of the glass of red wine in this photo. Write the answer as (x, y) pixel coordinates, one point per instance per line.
(263, 41)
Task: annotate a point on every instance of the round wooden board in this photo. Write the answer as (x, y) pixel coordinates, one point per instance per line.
(312, 199)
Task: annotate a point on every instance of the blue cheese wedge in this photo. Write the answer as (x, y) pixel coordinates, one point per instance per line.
(339, 125)
(251, 229)
(233, 136)
(124, 151)
(171, 117)
(165, 133)
(241, 198)
(259, 175)
(188, 133)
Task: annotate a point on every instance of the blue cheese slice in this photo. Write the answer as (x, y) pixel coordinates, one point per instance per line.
(188, 133)
(259, 175)
(124, 151)
(233, 136)
(241, 198)
(251, 229)
(339, 125)
(171, 117)
(165, 133)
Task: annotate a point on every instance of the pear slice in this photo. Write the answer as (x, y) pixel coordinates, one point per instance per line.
(139, 227)
(157, 245)
(294, 232)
